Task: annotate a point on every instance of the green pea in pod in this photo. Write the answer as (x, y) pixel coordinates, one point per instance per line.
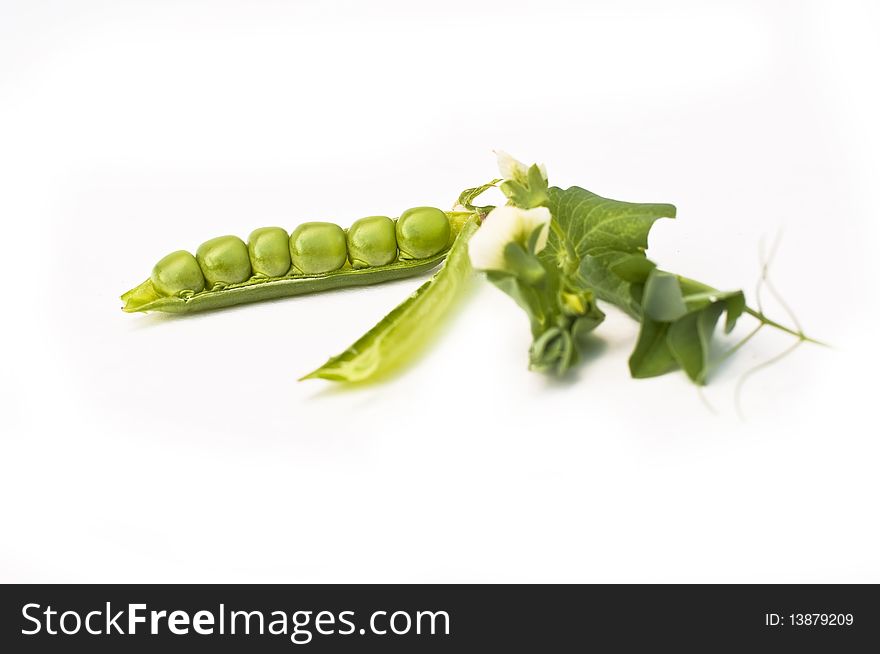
(371, 242)
(269, 250)
(176, 273)
(422, 232)
(318, 247)
(224, 260)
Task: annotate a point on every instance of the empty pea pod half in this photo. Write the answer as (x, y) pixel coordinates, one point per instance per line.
(317, 256)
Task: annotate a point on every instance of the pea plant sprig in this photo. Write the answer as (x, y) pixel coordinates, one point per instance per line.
(558, 253)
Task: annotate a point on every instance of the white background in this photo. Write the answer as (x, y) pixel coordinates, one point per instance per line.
(146, 448)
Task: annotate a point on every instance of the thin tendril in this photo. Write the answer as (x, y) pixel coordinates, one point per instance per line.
(797, 332)
(701, 393)
(766, 260)
(785, 306)
(764, 281)
(701, 380)
(764, 364)
(772, 288)
(730, 352)
(759, 286)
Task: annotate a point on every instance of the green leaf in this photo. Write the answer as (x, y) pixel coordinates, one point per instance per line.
(584, 325)
(525, 265)
(534, 301)
(401, 335)
(652, 356)
(677, 329)
(589, 224)
(633, 268)
(528, 193)
(662, 300)
(736, 307)
(596, 271)
(553, 351)
(690, 338)
(597, 241)
(697, 294)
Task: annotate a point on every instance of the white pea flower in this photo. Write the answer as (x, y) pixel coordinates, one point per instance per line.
(514, 169)
(506, 225)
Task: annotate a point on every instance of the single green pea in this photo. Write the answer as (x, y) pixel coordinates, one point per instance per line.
(318, 248)
(422, 232)
(177, 272)
(269, 251)
(224, 260)
(371, 242)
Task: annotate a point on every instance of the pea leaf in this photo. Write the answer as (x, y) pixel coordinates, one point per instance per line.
(734, 301)
(590, 224)
(652, 356)
(404, 332)
(532, 300)
(528, 192)
(603, 243)
(598, 242)
(598, 272)
(690, 337)
(633, 268)
(677, 329)
(663, 300)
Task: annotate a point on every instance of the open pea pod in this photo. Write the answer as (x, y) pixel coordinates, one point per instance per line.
(404, 332)
(316, 256)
